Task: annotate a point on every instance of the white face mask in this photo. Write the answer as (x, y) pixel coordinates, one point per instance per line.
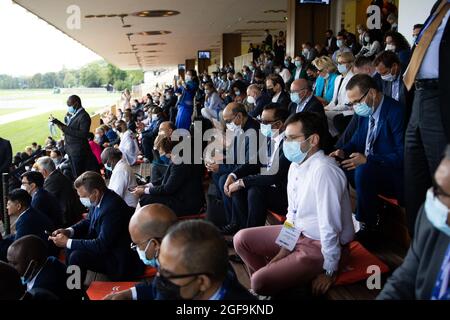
(390, 47)
(251, 100)
(388, 77)
(188, 78)
(233, 127)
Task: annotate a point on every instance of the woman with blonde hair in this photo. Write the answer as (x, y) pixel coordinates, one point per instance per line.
(325, 81)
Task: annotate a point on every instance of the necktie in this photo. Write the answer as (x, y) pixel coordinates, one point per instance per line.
(441, 289)
(424, 42)
(371, 136)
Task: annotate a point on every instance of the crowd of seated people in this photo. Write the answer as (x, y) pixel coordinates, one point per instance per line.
(326, 123)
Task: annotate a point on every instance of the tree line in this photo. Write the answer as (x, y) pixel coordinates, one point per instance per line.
(93, 75)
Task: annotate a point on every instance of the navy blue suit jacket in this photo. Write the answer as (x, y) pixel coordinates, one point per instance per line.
(388, 146)
(262, 101)
(48, 204)
(105, 234)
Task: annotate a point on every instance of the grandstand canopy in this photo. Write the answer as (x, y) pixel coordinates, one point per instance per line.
(123, 33)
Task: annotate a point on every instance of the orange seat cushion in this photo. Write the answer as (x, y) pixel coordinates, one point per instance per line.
(149, 273)
(62, 256)
(394, 202)
(356, 265)
(278, 217)
(100, 289)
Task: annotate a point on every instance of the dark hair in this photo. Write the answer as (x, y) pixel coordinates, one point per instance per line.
(21, 196)
(90, 180)
(329, 31)
(259, 74)
(276, 79)
(10, 285)
(388, 58)
(312, 67)
(418, 26)
(342, 34)
(58, 153)
(280, 113)
(90, 136)
(34, 177)
(76, 100)
(363, 81)
(362, 61)
(157, 110)
(111, 153)
(240, 85)
(399, 40)
(204, 248)
(311, 122)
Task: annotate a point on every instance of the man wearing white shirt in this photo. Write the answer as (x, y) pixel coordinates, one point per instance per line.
(319, 210)
(122, 178)
(128, 144)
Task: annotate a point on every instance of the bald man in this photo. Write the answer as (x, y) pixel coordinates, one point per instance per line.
(28, 255)
(258, 98)
(303, 99)
(194, 266)
(147, 228)
(241, 126)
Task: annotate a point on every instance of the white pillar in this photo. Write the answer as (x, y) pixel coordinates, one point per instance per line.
(411, 12)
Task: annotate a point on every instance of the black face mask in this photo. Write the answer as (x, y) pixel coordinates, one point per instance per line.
(119, 129)
(271, 92)
(169, 290)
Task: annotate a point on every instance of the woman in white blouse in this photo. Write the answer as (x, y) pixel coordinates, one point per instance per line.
(371, 46)
(213, 103)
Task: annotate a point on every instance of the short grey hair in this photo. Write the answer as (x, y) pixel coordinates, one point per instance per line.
(46, 163)
(110, 153)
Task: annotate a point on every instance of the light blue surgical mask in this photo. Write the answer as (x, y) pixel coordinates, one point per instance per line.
(286, 64)
(298, 63)
(143, 256)
(342, 68)
(437, 213)
(266, 130)
(237, 93)
(363, 109)
(340, 43)
(86, 202)
(108, 167)
(295, 98)
(71, 110)
(293, 152)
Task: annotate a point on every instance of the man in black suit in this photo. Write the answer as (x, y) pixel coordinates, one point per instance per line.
(428, 131)
(11, 288)
(29, 221)
(424, 272)
(258, 98)
(100, 243)
(303, 99)
(29, 256)
(181, 187)
(193, 265)
(42, 200)
(330, 43)
(252, 191)
(76, 137)
(275, 88)
(62, 188)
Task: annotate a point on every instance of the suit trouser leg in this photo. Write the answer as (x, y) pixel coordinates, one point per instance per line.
(256, 246)
(424, 145)
(372, 179)
(261, 199)
(78, 165)
(85, 261)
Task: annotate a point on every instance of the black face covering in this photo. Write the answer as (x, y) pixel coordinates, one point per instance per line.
(271, 92)
(168, 289)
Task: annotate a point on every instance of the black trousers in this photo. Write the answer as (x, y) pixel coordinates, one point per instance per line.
(82, 163)
(250, 205)
(425, 143)
(85, 261)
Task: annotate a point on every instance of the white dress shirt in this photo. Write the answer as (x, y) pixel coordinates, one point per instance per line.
(286, 75)
(319, 205)
(303, 103)
(429, 68)
(275, 97)
(123, 178)
(340, 93)
(129, 147)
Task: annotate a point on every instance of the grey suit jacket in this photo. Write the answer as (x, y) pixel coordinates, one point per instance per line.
(416, 277)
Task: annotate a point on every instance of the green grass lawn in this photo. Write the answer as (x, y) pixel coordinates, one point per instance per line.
(35, 129)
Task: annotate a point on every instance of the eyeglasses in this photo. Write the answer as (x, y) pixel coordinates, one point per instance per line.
(293, 138)
(437, 191)
(268, 122)
(351, 104)
(134, 246)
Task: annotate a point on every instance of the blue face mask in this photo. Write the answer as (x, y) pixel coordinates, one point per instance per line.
(293, 152)
(295, 98)
(143, 256)
(86, 202)
(298, 64)
(71, 110)
(286, 64)
(108, 167)
(363, 109)
(437, 213)
(266, 130)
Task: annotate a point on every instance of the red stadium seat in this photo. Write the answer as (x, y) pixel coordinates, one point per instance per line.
(393, 202)
(149, 273)
(277, 217)
(100, 289)
(195, 216)
(358, 261)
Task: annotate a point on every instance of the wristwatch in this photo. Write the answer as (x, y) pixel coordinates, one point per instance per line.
(329, 273)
